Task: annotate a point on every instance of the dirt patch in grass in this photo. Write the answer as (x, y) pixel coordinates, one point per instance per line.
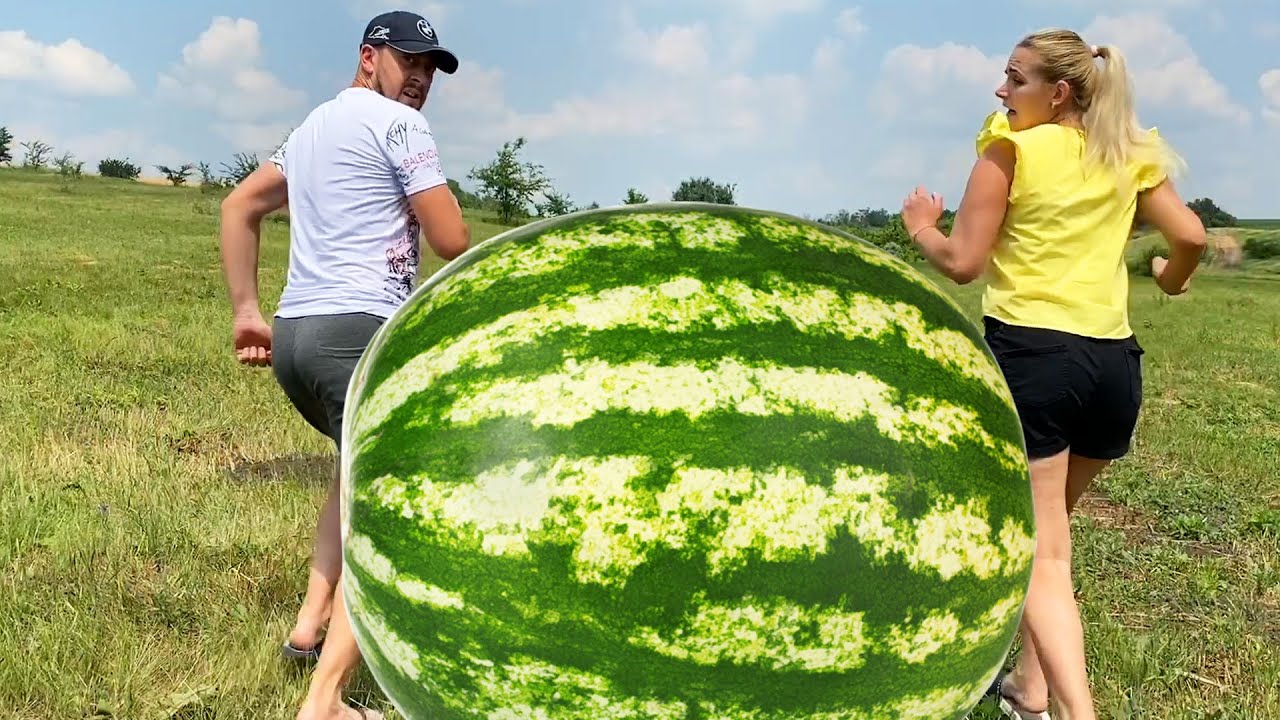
(281, 468)
(1140, 528)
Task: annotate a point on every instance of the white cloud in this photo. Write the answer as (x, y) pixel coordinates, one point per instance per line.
(765, 11)
(828, 57)
(1166, 70)
(69, 67)
(220, 71)
(673, 85)
(1267, 30)
(934, 85)
(849, 22)
(1269, 84)
(676, 49)
(829, 61)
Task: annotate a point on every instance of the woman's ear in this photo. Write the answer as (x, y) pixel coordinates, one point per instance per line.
(1061, 94)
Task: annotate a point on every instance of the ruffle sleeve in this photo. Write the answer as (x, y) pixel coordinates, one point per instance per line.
(995, 127)
(1153, 169)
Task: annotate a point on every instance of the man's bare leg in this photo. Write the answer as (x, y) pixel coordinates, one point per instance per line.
(326, 566)
(339, 660)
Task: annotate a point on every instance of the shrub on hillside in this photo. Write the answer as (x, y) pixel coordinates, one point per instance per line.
(178, 175)
(1140, 262)
(122, 169)
(243, 166)
(69, 170)
(1263, 247)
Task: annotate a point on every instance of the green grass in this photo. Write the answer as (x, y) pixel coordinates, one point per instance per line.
(1260, 223)
(158, 499)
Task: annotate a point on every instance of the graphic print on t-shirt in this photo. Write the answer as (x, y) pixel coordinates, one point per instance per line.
(400, 143)
(354, 243)
(402, 260)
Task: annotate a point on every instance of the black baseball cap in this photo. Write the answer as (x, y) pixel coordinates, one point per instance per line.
(409, 33)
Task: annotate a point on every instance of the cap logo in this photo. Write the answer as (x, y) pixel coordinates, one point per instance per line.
(427, 31)
(379, 33)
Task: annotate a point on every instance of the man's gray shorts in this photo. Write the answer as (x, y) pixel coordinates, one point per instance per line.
(314, 358)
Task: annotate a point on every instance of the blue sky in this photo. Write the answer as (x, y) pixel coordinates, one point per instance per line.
(808, 106)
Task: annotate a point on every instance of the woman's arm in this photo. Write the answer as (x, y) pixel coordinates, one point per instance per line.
(963, 256)
(1163, 209)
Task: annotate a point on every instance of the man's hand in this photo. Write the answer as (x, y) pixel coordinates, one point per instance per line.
(252, 338)
(239, 235)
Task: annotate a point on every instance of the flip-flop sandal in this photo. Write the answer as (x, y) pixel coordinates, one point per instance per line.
(297, 654)
(366, 713)
(1008, 707)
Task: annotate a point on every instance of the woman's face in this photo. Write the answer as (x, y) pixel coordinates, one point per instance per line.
(1029, 99)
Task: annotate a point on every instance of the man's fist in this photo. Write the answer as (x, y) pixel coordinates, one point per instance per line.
(252, 340)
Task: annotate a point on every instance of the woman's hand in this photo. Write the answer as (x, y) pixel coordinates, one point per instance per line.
(1158, 265)
(921, 210)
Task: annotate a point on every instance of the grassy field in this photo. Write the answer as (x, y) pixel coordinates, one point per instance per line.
(158, 499)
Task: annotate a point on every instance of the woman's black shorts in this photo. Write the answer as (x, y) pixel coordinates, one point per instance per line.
(1071, 392)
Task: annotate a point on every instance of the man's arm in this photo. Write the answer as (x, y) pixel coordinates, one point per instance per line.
(240, 234)
(440, 215)
(411, 149)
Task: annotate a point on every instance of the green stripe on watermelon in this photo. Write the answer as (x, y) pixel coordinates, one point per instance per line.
(500, 623)
(610, 598)
(670, 317)
(595, 269)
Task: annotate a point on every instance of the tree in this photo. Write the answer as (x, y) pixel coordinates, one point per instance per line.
(508, 182)
(6, 140)
(704, 189)
(37, 154)
(634, 197)
(555, 203)
(1210, 214)
(177, 176)
(245, 164)
(465, 199)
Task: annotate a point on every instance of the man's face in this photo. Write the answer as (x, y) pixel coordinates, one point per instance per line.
(403, 77)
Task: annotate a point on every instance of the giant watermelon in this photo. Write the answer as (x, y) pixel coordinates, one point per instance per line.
(682, 461)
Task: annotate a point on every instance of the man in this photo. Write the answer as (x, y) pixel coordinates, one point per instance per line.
(362, 181)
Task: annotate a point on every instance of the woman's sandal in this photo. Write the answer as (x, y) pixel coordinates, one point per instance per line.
(296, 654)
(1008, 707)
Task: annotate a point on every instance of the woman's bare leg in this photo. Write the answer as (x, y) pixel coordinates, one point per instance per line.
(1026, 683)
(1051, 620)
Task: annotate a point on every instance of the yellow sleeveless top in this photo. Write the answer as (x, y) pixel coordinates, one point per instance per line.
(1059, 262)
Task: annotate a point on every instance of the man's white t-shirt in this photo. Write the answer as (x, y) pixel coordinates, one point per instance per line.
(353, 238)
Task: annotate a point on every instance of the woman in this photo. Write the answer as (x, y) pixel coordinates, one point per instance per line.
(1061, 177)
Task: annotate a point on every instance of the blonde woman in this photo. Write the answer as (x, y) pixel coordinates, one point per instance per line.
(1061, 177)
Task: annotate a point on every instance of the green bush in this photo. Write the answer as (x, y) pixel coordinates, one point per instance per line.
(1140, 262)
(1263, 247)
(114, 168)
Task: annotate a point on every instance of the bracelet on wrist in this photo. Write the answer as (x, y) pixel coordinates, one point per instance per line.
(916, 234)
